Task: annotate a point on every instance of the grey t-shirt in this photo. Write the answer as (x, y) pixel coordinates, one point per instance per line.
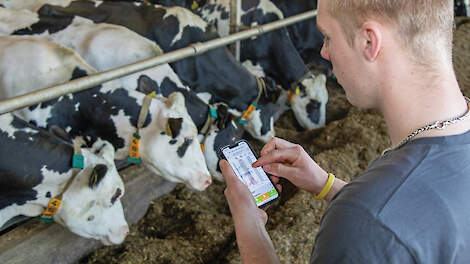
(411, 205)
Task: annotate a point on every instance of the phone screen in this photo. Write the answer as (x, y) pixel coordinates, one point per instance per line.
(240, 158)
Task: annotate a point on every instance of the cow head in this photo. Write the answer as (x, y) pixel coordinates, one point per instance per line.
(260, 124)
(90, 206)
(309, 105)
(170, 146)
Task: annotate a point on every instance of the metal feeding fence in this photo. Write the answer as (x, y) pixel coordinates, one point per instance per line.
(87, 82)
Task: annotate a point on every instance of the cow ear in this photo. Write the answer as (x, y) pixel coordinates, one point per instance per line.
(173, 127)
(146, 85)
(98, 173)
(176, 100)
(60, 134)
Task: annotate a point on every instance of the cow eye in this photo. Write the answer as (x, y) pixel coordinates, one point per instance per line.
(90, 218)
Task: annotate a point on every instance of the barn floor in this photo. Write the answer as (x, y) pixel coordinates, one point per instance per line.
(186, 226)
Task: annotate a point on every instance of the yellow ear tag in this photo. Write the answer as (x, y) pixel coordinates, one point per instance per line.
(51, 210)
(134, 155)
(297, 90)
(195, 5)
(168, 130)
(153, 94)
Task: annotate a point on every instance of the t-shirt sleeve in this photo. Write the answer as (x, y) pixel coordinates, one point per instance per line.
(349, 234)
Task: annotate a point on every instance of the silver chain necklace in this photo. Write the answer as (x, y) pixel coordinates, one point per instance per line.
(437, 124)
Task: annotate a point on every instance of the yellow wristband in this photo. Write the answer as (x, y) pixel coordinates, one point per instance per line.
(326, 189)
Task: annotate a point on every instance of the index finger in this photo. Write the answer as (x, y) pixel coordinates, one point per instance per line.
(275, 143)
(288, 155)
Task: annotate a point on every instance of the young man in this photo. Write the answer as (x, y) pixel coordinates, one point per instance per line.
(412, 204)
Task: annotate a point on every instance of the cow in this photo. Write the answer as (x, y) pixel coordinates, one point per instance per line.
(168, 138)
(106, 46)
(215, 73)
(305, 35)
(36, 166)
(274, 52)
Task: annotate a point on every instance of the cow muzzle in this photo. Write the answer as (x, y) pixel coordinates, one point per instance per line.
(200, 181)
(115, 236)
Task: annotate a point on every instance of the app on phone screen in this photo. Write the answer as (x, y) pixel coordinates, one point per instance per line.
(240, 158)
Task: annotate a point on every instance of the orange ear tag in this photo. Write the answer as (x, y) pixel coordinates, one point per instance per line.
(134, 155)
(51, 210)
(248, 112)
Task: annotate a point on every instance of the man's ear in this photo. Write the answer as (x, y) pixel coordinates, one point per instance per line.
(372, 40)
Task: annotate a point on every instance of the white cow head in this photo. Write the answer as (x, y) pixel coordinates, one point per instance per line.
(169, 146)
(309, 106)
(90, 206)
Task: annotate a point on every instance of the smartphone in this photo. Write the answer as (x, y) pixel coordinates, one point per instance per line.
(240, 157)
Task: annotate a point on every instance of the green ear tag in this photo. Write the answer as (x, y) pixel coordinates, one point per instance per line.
(241, 121)
(213, 112)
(46, 219)
(134, 160)
(78, 161)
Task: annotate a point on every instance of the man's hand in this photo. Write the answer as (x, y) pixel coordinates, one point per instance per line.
(252, 239)
(281, 158)
(239, 198)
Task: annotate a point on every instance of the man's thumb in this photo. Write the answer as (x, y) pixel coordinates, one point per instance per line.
(227, 171)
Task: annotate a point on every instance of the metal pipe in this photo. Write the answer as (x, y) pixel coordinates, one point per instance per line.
(235, 22)
(83, 83)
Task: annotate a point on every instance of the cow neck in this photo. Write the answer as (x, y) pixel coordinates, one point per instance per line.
(134, 154)
(254, 105)
(78, 163)
(212, 116)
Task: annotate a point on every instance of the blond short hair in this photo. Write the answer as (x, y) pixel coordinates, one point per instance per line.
(424, 26)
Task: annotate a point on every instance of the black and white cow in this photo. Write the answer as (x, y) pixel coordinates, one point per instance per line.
(215, 73)
(169, 145)
(305, 35)
(274, 52)
(461, 8)
(106, 46)
(35, 167)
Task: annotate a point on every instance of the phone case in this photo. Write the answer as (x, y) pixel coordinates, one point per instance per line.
(222, 156)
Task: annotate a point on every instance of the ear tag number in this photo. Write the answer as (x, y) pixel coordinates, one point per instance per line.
(51, 210)
(134, 155)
